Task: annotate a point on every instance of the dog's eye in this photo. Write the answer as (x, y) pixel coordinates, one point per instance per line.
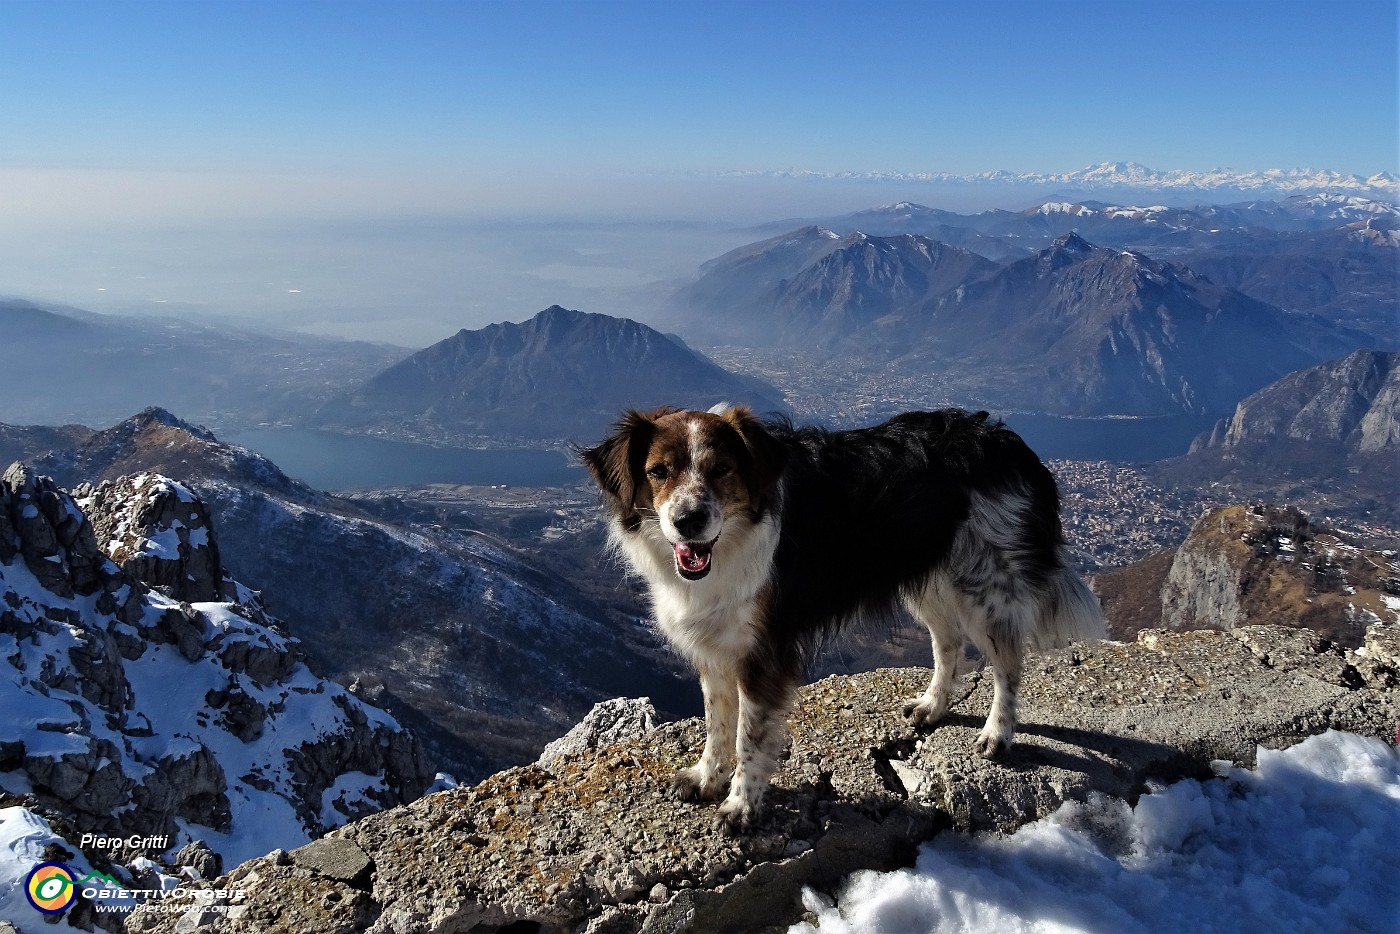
(658, 472)
(721, 470)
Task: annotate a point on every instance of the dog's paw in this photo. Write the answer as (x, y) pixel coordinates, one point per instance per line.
(990, 745)
(923, 711)
(736, 817)
(693, 785)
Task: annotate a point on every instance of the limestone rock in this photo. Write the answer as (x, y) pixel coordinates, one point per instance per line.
(335, 859)
(610, 721)
(1354, 401)
(594, 844)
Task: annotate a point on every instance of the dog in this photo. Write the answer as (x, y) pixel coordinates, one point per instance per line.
(758, 540)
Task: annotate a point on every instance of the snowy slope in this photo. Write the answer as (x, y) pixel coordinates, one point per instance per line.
(125, 711)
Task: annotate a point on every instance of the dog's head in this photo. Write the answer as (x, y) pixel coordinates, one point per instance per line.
(692, 473)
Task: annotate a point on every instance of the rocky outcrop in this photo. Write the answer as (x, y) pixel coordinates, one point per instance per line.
(592, 843)
(173, 706)
(1353, 403)
(160, 533)
(1251, 564)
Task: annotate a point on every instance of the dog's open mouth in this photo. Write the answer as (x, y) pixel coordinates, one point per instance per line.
(693, 558)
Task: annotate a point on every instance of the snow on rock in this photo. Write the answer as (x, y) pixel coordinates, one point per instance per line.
(129, 708)
(1303, 843)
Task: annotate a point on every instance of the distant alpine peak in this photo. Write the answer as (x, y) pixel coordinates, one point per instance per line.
(902, 207)
(1072, 241)
(1065, 207)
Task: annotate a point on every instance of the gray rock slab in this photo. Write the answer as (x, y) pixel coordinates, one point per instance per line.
(593, 844)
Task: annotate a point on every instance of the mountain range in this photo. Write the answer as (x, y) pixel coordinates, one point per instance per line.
(1333, 254)
(1138, 178)
(1072, 328)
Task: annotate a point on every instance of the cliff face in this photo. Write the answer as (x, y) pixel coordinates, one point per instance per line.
(1251, 564)
(157, 697)
(1353, 402)
(586, 839)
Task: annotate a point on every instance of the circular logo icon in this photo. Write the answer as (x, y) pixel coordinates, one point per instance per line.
(51, 887)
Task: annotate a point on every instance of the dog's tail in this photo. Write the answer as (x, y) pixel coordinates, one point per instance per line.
(1071, 614)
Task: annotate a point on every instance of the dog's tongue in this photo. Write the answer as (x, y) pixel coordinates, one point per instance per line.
(692, 556)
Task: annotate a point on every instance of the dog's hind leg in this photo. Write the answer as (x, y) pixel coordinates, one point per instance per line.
(764, 700)
(705, 780)
(1002, 645)
(931, 609)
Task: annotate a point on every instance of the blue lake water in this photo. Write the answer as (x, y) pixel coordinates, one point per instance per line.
(330, 461)
(1133, 440)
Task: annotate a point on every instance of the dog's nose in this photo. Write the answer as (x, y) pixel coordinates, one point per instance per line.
(691, 523)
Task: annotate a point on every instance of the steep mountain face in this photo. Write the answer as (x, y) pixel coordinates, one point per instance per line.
(847, 292)
(562, 374)
(484, 656)
(157, 696)
(726, 287)
(114, 366)
(1352, 403)
(1089, 331)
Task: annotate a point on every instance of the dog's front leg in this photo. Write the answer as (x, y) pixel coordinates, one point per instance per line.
(705, 780)
(763, 709)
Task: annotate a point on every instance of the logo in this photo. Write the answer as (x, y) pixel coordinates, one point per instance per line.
(51, 887)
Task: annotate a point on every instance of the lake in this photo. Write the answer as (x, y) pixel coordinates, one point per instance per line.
(330, 461)
(1134, 440)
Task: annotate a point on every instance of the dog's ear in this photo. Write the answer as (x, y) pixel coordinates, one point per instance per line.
(617, 463)
(768, 456)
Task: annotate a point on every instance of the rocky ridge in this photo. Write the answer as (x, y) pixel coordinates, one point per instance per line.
(1245, 564)
(156, 697)
(588, 840)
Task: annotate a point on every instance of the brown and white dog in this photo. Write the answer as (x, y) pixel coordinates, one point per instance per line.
(757, 540)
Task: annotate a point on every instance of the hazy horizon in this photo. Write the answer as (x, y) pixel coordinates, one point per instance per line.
(398, 171)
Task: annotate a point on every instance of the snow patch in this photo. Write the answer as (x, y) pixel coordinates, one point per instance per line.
(1304, 843)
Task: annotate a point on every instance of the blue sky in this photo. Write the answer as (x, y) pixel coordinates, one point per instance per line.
(308, 85)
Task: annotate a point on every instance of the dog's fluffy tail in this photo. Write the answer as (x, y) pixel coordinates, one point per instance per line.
(1072, 614)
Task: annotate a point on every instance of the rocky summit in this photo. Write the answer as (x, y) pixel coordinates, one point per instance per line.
(589, 841)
